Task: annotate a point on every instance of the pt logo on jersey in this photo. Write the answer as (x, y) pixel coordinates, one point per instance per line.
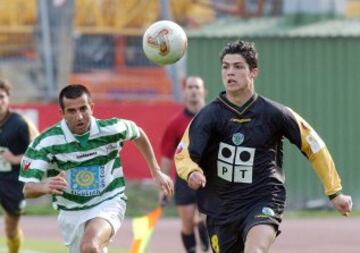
(238, 138)
(235, 163)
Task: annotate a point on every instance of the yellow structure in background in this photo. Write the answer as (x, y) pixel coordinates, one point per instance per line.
(105, 16)
(353, 8)
(17, 19)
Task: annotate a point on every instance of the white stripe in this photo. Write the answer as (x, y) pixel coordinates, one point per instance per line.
(50, 141)
(88, 154)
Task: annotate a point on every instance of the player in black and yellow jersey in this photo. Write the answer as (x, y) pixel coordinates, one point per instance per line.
(16, 133)
(232, 154)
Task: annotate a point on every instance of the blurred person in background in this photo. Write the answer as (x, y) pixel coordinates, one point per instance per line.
(80, 156)
(16, 133)
(194, 94)
(232, 154)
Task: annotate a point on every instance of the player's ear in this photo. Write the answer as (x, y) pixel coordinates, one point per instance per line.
(254, 73)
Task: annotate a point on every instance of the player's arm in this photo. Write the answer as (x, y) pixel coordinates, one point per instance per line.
(185, 166)
(319, 156)
(144, 146)
(26, 133)
(51, 185)
(34, 165)
(190, 150)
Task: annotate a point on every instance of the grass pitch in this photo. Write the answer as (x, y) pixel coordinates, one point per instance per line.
(43, 246)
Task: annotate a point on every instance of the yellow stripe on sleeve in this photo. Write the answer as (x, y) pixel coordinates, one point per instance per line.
(183, 163)
(319, 156)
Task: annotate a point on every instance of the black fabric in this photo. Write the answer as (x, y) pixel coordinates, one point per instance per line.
(184, 195)
(14, 135)
(189, 242)
(203, 236)
(240, 151)
(230, 238)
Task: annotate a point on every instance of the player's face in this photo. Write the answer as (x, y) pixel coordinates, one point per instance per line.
(194, 90)
(4, 102)
(236, 74)
(77, 113)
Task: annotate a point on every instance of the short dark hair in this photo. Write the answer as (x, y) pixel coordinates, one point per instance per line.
(73, 91)
(245, 48)
(5, 85)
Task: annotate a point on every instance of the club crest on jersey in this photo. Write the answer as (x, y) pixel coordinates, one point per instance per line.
(238, 138)
(26, 164)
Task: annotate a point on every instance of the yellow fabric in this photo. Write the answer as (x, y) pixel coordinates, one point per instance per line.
(319, 157)
(187, 10)
(143, 228)
(183, 163)
(14, 244)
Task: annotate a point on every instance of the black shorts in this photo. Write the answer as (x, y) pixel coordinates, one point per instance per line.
(11, 196)
(184, 195)
(230, 238)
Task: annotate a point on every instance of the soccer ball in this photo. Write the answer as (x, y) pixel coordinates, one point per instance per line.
(164, 42)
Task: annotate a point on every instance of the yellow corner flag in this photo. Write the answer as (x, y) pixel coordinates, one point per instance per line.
(142, 230)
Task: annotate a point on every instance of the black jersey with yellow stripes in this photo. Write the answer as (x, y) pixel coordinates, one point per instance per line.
(16, 133)
(239, 149)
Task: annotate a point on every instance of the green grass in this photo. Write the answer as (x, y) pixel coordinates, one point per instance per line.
(43, 246)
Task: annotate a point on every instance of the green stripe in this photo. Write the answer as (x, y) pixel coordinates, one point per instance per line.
(88, 207)
(35, 154)
(53, 130)
(116, 165)
(107, 122)
(52, 173)
(32, 173)
(98, 160)
(116, 183)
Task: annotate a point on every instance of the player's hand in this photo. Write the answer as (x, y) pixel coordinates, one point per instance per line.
(165, 182)
(55, 185)
(343, 204)
(196, 180)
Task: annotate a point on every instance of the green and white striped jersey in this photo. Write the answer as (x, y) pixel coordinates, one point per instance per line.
(93, 169)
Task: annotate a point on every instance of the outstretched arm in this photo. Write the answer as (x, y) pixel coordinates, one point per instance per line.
(51, 185)
(144, 146)
(319, 156)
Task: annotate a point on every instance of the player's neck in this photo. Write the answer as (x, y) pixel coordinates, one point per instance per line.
(239, 98)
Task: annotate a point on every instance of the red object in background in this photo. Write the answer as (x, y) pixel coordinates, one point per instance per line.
(152, 117)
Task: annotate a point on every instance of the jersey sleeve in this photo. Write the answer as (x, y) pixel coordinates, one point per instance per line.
(35, 162)
(183, 163)
(299, 132)
(191, 149)
(129, 129)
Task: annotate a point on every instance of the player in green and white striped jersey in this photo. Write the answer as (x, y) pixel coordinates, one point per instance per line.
(77, 160)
